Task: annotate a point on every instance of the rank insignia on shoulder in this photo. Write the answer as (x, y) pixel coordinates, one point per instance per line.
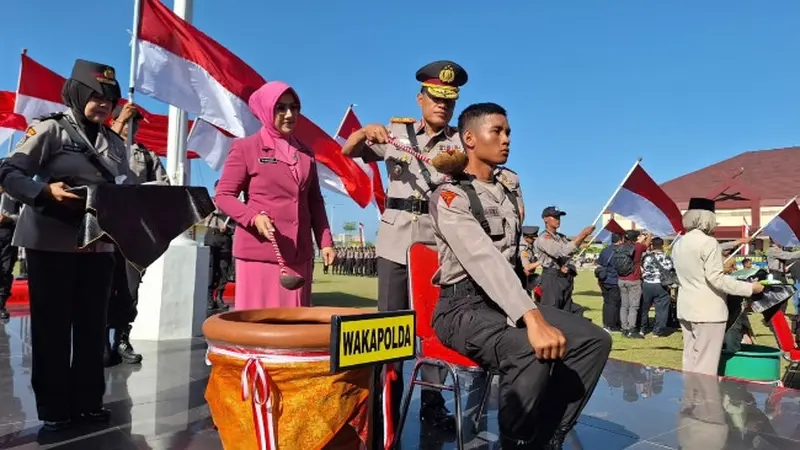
(30, 131)
(403, 120)
(448, 197)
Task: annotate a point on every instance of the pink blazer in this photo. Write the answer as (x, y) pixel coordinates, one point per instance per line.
(295, 205)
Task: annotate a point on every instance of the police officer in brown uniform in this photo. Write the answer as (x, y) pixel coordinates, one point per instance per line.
(69, 287)
(145, 167)
(555, 251)
(411, 181)
(549, 361)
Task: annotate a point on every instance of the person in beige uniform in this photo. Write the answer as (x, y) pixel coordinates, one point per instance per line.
(145, 167)
(549, 360)
(555, 251)
(411, 181)
(702, 307)
(528, 256)
(69, 287)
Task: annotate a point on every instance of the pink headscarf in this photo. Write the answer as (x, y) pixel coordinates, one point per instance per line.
(262, 104)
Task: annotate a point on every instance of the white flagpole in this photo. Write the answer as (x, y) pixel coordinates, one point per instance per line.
(608, 203)
(733, 253)
(341, 124)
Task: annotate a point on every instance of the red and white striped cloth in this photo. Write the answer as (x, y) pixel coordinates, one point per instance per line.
(180, 65)
(9, 120)
(642, 200)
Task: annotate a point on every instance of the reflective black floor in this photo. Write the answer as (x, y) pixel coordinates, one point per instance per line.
(160, 405)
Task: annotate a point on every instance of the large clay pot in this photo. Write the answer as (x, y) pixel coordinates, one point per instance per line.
(271, 386)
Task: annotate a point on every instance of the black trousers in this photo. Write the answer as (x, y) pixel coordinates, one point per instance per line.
(393, 296)
(536, 397)
(8, 258)
(557, 290)
(69, 293)
(654, 294)
(612, 301)
(124, 301)
(221, 263)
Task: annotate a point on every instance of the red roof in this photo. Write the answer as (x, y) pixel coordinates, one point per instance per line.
(770, 174)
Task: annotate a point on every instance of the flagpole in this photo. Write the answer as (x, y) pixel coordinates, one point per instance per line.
(733, 253)
(611, 199)
(137, 14)
(344, 117)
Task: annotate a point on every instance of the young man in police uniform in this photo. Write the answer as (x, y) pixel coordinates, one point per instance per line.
(555, 251)
(549, 360)
(145, 167)
(527, 255)
(411, 181)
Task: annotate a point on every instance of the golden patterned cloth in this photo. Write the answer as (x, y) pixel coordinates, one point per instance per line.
(311, 408)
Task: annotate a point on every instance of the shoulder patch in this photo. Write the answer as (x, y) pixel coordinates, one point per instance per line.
(403, 120)
(30, 131)
(448, 197)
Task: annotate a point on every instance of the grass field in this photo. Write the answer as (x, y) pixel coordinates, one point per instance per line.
(334, 290)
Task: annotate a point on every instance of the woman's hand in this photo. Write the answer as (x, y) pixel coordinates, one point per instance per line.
(58, 192)
(328, 255)
(264, 226)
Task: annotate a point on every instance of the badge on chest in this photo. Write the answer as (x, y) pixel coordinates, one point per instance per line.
(267, 160)
(72, 148)
(491, 211)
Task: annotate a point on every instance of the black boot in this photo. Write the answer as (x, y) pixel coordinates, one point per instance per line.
(110, 356)
(122, 346)
(433, 412)
(3, 311)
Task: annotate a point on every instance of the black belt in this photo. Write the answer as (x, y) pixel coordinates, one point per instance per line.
(412, 205)
(463, 288)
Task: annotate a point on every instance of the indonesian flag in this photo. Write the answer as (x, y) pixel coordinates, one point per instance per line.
(39, 95)
(612, 227)
(349, 125)
(643, 201)
(745, 235)
(9, 120)
(785, 227)
(180, 65)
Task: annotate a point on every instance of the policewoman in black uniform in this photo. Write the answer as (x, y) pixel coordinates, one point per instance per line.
(69, 286)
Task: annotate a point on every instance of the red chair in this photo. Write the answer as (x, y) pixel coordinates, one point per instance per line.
(423, 261)
(785, 337)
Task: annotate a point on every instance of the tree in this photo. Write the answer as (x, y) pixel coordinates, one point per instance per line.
(350, 226)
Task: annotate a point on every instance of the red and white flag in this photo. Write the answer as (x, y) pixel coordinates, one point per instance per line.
(642, 200)
(611, 227)
(349, 125)
(9, 120)
(39, 94)
(180, 65)
(784, 228)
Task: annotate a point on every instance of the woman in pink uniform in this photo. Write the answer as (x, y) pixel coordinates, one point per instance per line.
(278, 176)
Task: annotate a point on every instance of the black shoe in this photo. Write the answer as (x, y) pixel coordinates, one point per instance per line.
(56, 425)
(4, 313)
(557, 442)
(123, 347)
(433, 413)
(634, 334)
(101, 415)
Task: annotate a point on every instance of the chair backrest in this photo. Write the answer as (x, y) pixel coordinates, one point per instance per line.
(783, 332)
(422, 263)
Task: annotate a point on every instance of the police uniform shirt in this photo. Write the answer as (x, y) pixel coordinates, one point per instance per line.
(777, 258)
(465, 250)
(52, 155)
(526, 254)
(554, 250)
(216, 220)
(409, 178)
(146, 166)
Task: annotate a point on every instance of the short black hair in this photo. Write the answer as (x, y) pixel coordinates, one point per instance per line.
(616, 237)
(475, 112)
(746, 260)
(658, 243)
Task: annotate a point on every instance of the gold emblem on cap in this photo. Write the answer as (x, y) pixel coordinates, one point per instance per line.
(447, 74)
(109, 73)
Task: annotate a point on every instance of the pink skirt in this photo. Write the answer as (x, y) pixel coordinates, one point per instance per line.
(258, 285)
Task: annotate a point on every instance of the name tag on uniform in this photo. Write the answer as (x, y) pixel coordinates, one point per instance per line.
(491, 211)
(268, 160)
(72, 148)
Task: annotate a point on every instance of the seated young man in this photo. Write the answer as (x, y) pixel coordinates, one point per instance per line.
(549, 360)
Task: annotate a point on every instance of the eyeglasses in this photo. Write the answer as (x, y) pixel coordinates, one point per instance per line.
(283, 108)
